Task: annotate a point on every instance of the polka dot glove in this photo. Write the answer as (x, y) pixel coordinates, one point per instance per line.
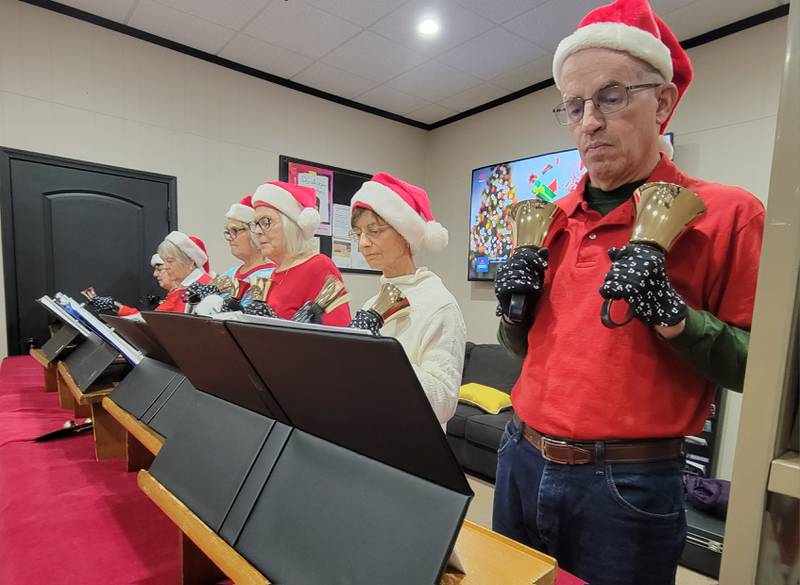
(103, 305)
(259, 309)
(310, 312)
(196, 292)
(369, 320)
(638, 276)
(522, 274)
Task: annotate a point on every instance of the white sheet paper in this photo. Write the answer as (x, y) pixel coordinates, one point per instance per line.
(341, 221)
(341, 252)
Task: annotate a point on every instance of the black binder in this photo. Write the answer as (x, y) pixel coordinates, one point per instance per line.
(359, 487)
(155, 391)
(59, 343)
(92, 362)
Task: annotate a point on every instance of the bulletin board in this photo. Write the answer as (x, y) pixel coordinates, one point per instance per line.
(335, 188)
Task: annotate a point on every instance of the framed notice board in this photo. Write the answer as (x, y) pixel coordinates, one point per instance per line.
(335, 188)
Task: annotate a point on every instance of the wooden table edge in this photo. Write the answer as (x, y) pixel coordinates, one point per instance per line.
(151, 440)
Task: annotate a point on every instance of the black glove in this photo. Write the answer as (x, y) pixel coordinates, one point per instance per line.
(310, 312)
(259, 309)
(522, 274)
(638, 276)
(231, 304)
(103, 304)
(369, 320)
(196, 292)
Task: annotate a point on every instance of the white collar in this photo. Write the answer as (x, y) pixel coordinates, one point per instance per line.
(194, 275)
(421, 273)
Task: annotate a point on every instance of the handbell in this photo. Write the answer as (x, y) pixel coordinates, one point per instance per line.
(259, 289)
(663, 212)
(390, 303)
(223, 282)
(531, 221)
(332, 294)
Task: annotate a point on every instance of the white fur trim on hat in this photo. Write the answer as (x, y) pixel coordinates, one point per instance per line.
(306, 218)
(156, 260)
(241, 213)
(618, 37)
(418, 232)
(188, 247)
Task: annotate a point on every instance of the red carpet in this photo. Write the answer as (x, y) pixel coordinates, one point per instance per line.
(66, 517)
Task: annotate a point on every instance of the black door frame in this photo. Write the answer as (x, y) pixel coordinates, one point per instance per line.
(7, 219)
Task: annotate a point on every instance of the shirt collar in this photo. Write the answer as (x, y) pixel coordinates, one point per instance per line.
(192, 278)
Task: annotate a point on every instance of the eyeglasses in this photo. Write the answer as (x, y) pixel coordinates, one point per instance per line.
(264, 224)
(233, 233)
(607, 100)
(372, 232)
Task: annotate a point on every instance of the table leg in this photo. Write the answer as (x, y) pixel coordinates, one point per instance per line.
(109, 436)
(196, 567)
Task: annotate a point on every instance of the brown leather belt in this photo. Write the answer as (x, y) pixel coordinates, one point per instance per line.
(580, 452)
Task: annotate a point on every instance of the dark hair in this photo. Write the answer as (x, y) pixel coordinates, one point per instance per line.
(359, 211)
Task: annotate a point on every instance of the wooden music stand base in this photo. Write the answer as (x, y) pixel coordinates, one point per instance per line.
(109, 437)
(488, 557)
(50, 370)
(142, 443)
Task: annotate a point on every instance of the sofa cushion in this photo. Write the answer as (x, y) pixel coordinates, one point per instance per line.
(455, 426)
(492, 365)
(486, 429)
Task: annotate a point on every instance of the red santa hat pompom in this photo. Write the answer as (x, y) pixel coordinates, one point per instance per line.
(155, 260)
(193, 247)
(296, 202)
(242, 211)
(406, 208)
(632, 27)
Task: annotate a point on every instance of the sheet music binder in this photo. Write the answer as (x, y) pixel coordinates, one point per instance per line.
(92, 359)
(155, 391)
(313, 502)
(56, 346)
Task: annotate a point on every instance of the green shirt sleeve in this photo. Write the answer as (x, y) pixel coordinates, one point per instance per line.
(514, 337)
(716, 349)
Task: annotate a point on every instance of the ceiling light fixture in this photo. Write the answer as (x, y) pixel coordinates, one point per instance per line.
(428, 27)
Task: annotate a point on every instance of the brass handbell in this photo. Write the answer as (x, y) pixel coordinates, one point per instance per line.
(223, 282)
(531, 221)
(390, 303)
(663, 212)
(332, 294)
(89, 293)
(259, 289)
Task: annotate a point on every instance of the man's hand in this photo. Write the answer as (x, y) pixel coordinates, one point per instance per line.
(638, 276)
(522, 274)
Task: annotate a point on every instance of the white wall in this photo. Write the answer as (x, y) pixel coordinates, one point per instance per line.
(72, 89)
(724, 131)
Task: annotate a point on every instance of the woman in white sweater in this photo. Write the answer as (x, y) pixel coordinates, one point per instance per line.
(391, 221)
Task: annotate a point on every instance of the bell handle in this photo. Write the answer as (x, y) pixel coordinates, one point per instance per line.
(518, 307)
(605, 315)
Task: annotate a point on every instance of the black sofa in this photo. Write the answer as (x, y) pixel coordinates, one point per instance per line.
(473, 434)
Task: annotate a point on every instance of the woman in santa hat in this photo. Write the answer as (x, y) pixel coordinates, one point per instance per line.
(391, 221)
(183, 262)
(243, 247)
(284, 224)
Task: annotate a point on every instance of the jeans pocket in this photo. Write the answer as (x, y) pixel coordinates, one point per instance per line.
(507, 437)
(651, 491)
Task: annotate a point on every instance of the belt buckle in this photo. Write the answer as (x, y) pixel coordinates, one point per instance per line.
(549, 443)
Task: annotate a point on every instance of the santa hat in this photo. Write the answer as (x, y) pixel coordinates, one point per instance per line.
(242, 211)
(192, 246)
(632, 27)
(156, 260)
(406, 208)
(296, 202)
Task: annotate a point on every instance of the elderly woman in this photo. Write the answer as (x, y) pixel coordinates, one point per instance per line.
(391, 221)
(284, 224)
(184, 262)
(243, 247)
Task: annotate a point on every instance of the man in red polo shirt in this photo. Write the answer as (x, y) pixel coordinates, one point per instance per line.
(590, 468)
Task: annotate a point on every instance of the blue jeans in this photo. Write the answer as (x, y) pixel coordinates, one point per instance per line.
(620, 524)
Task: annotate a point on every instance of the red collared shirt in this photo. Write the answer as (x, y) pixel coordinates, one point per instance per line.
(583, 381)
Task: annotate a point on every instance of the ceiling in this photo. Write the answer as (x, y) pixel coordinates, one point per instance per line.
(369, 51)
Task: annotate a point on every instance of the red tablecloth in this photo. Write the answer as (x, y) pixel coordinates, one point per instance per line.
(67, 518)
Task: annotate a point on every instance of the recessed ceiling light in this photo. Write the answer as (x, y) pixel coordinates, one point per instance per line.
(428, 27)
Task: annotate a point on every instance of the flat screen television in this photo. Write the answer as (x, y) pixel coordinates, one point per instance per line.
(495, 188)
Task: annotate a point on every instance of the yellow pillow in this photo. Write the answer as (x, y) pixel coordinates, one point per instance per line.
(486, 398)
